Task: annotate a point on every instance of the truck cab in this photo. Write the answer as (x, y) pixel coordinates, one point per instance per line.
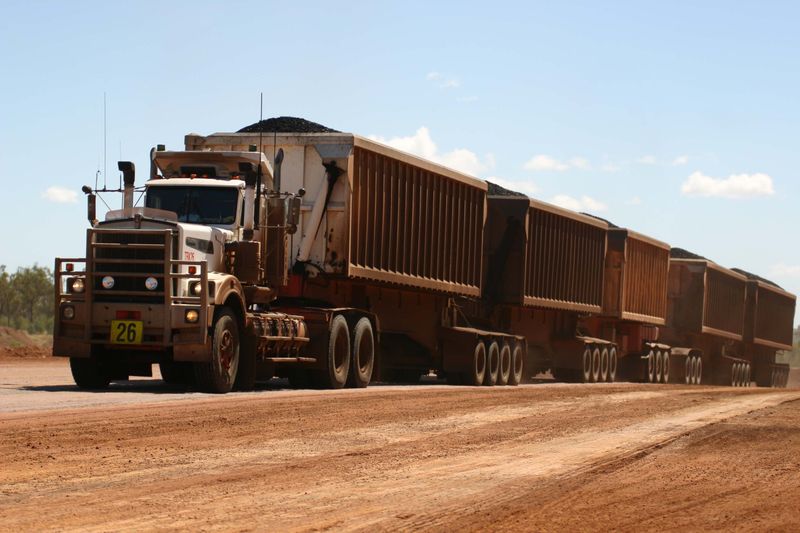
(159, 280)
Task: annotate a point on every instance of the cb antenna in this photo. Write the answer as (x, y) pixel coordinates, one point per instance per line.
(105, 149)
(260, 149)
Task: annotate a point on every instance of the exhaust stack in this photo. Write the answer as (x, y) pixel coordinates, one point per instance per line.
(128, 178)
(249, 198)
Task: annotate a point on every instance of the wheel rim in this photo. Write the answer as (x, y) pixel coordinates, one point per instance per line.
(587, 365)
(688, 370)
(699, 371)
(365, 353)
(665, 367)
(604, 365)
(595, 364)
(505, 363)
(492, 364)
(517, 363)
(651, 366)
(612, 365)
(735, 375)
(659, 363)
(340, 353)
(480, 363)
(226, 350)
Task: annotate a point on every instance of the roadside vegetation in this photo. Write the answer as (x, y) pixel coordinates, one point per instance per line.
(26, 299)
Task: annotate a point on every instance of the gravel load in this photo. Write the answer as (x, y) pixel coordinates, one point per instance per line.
(680, 253)
(287, 125)
(750, 275)
(496, 190)
(610, 224)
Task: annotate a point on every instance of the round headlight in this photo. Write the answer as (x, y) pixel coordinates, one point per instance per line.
(108, 282)
(151, 283)
(197, 288)
(191, 316)
(68, 312)
(78, 285)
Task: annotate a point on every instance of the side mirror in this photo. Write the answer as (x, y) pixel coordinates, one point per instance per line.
(293, 215)
(91, 204)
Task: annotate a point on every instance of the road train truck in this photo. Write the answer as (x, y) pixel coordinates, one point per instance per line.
(350, 260)
(227, 273)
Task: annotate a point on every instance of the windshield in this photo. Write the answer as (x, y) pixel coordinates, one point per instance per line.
(198, 205)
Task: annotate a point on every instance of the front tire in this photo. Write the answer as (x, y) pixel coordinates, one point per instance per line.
(88, 374)
(219, 374)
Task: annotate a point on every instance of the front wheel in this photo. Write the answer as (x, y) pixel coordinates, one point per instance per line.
(88, 374)
(219, 374)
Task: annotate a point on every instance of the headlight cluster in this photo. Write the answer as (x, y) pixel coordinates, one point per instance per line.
(76, 285)
(195, 288)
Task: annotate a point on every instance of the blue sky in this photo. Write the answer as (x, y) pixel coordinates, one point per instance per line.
(677, 119)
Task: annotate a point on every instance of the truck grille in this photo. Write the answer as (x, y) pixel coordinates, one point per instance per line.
(130, 257)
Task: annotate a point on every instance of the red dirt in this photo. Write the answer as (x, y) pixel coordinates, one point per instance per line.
(16, 344)
(540, 457)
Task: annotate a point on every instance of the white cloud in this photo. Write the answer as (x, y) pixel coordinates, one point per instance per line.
(545, 163)
(647, 160)
(579, 162)
(784, 270)
(680, 160)
(422, 144)
(734, 186)
(60, 195)
(584, 203)
(523, 186)
(442, 81)
(634, 201)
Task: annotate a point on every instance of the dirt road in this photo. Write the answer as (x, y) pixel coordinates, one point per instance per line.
(536, 457)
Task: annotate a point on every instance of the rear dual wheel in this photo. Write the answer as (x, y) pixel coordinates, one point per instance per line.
(651, 366)
(492, 364)
(693, 370)
(517, 365)
(363, 354)
(587, 365)
(477, 372)
(504, 375)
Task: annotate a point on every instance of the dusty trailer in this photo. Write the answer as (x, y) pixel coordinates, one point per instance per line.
(634, 308)
(545, 275)
(768, 328)
(706, 321)
(391, 234)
